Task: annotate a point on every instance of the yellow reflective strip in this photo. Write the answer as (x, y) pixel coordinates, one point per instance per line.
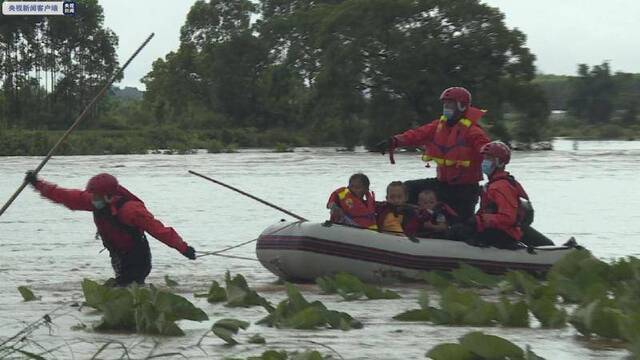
(343, 194)
(447, 162)
(465, 122)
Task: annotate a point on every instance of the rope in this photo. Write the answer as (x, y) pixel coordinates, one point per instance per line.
(205, 253)
(232, 257)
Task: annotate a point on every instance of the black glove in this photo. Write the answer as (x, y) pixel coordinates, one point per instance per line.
(31, 177)
(384, 145)
(471, 222)
(190, 253)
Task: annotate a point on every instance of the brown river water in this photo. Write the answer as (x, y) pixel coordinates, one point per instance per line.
(587, 191)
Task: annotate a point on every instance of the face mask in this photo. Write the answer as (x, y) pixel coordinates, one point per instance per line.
(99, 204)
(448, 113)
(487, 167)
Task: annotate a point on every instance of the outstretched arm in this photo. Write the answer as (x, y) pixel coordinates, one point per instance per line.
(417, 136)
(134, 213)
(72, 199)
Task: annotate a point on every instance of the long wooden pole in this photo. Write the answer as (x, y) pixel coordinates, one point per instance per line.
(249, 195)
(76, 123)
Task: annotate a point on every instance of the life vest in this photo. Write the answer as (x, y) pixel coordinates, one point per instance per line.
(392, 223)
(396, 220)
(457, 162)
(525, 207)
(116, 236)
(361, 211)
(511, 203)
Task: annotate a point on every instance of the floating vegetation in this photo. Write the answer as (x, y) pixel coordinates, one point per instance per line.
(297, 313)
(470, 276)
(216, 293)
(140, 309)
(607, 296)
(479, 346)
(257, 339)
(236, 294)
(283, 355)
(226, 328)
(27, 294)
(352, 288)
(468, 308)
(169, 282)
(240, 295)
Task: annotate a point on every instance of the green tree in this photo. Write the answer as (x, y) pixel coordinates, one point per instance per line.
(51, 66)
(593, 94)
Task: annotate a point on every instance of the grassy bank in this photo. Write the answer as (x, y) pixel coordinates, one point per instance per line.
(139, 141)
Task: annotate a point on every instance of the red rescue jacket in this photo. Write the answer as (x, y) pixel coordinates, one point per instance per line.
(361, 211)
(120, 223)
(499, 203)
(455, 149)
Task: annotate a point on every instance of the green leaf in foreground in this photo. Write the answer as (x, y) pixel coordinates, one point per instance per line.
(478, 346)
(490, 346)
(216, 293)
(512, 315)
(470, 276)
(549, 315)
(465, 308)
(450, 351)
(27, 294)
(351, 288)
(414, 315)
(530, 355)
(296, 312)
(308, 355)
(283, 355)
(257, 339)
(240, 295)
(169, 282)
(140, 309)
(599, 317)
(438, 279)
(226, 328)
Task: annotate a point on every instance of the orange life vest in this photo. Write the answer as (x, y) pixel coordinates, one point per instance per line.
(361, 211)
(457, 162)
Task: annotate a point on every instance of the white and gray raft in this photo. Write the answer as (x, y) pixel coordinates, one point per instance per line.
(302, 251)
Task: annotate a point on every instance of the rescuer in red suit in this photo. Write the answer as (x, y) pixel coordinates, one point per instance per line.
(121, 220)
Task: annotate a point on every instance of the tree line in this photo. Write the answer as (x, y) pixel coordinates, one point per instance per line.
(303, 72)
(50, 67)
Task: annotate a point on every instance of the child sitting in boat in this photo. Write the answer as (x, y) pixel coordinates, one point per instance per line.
(354, 205)
(434, 216)
(395, 215)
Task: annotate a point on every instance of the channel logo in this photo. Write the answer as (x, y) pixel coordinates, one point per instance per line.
(46, 8)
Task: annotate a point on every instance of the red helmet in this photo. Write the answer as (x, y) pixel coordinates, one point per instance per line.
(458, 94)
(497, 149)
(104, 184)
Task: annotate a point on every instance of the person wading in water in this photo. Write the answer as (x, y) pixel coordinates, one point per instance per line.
(121, 220)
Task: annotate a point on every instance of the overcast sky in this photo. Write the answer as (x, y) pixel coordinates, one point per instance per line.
(561, 33)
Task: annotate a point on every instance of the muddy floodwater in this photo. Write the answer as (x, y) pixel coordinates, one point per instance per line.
(588, 190)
